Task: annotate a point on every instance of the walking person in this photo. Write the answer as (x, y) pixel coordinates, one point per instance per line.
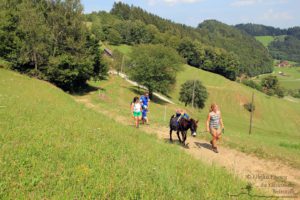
(145, 101)
(214, 124)
(136, 110)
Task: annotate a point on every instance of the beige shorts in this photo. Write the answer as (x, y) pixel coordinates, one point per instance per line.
(212, 129)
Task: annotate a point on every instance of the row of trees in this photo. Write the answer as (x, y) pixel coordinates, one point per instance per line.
(262, 30)
(269, 85)
(287, 49)
(49, 39)
(211, 59)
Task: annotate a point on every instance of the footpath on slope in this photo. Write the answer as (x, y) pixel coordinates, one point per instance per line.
(122, 75)
(276, 178)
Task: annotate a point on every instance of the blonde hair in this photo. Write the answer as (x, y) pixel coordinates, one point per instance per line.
(212, 106)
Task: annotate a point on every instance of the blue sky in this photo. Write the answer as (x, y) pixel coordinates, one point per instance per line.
(278, 13)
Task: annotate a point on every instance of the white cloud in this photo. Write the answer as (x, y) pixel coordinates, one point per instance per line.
(240, 3)
(173, 2)
(272, 15)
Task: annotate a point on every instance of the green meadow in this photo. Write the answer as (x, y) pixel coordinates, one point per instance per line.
(275, 122)
(289, 77)
(275, 132)
(266, 40)
(52, 147)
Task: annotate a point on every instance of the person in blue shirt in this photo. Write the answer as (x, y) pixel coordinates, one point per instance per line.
(145, 101)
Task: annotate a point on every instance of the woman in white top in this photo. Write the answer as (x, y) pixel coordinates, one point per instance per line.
(214, 124)
(136, 110)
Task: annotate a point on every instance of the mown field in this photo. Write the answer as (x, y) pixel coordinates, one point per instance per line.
(54, 148)
(266, 40)
(289, 77)
(276, 121)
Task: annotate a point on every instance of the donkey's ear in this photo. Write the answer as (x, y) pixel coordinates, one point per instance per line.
(197, 121)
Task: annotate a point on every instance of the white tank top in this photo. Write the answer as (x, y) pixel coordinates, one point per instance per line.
(137, 107)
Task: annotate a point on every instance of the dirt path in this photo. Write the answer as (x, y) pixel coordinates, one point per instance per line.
(278, 179)
(136, 84)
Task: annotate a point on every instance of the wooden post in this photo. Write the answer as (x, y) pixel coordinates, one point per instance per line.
(193, 95)
(122, 64)
(251, 115)
(165, 116)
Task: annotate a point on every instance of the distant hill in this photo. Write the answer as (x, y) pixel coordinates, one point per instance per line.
(283, 44)
(135, 26)
(253, 56)
(260, 30)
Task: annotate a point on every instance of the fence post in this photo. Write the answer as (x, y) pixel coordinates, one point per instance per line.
(251, 116)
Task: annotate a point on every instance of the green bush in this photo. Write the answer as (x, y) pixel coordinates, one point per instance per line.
(249, 106)
(252, 84)
(294, 93)
(4, 64)
(270, 92)
(280, 92)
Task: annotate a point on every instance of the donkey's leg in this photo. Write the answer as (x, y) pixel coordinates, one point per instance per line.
(184, 136)
(171, 140)
(178, 136)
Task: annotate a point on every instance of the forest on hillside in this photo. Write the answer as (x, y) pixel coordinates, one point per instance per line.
(57, 42)
(212, 46)
(286, 49)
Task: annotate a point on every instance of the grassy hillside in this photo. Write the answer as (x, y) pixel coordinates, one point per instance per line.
(290, 79)
(266, 40)
(275, 123)
(54, 148)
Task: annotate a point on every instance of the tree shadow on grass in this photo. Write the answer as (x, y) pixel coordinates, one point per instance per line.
(85, 89)
(140, 91)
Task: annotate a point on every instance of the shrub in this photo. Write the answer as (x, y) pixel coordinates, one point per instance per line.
(249, 106)
(252, 84)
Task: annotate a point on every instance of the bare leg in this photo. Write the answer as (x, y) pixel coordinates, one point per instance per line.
(136, 122)
(214, 138)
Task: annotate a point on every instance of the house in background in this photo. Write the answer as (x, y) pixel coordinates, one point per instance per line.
(284, 63)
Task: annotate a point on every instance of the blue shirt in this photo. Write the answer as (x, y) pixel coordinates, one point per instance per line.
(144, 100)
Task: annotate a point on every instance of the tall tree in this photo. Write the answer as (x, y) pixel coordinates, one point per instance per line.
(155, 67)
(33, 34)
(193, 92)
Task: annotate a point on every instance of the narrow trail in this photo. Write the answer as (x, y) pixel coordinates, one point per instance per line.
(274, 177)
(124, 76)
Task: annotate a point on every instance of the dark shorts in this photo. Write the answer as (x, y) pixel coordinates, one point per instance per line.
(144, 113)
